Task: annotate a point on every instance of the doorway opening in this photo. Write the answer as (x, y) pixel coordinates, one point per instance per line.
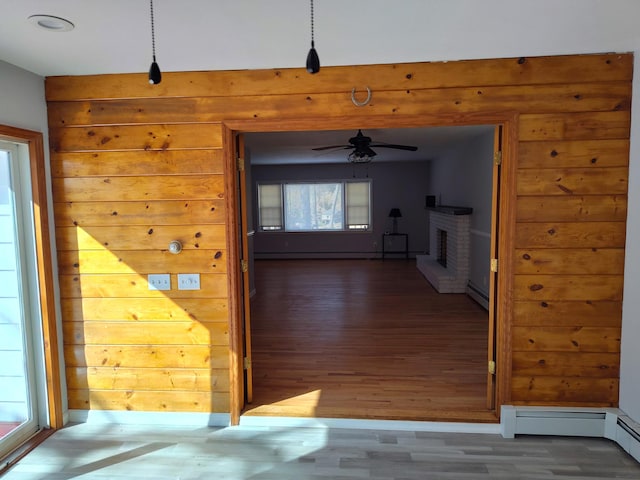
(294, 259)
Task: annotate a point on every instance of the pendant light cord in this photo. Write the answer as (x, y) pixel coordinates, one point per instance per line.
(153, 33)
(312, 31)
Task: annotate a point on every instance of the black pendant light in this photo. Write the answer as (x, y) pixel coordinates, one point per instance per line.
(313, 61)
(155, 76)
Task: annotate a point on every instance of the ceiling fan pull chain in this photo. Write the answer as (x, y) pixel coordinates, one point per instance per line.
(356, 102)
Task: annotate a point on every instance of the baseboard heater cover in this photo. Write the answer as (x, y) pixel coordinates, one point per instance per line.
(610, 423)
(627, 435)
(478, 295)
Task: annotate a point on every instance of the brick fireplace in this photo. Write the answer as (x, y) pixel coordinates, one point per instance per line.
(447, 265)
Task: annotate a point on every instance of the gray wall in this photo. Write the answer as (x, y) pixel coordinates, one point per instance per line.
(401, 185)
(464, 178)
(22, 105)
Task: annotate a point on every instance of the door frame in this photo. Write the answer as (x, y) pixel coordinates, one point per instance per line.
(505, 240)
(44, 260)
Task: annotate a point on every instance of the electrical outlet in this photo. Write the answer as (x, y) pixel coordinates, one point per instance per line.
(188, 281)
(161, 281)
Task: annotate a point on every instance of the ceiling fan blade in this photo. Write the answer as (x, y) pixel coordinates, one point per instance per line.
(398, 147)
(333, 146)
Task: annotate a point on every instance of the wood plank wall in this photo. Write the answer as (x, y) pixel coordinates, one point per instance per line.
(122, 193)
(136, 166)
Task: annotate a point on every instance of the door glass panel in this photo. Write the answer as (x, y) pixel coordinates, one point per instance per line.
(17, 417)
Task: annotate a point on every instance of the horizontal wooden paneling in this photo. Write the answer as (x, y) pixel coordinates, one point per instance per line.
(147, 356)
(571, 234)
(104, 189)
(137, 162)
(572, 208)
(142, 333)
(143, 401)
(591, 261)
(574, 126)
(568, 287)
(129, 159)
(566, 339)
(544, 98)
(140, 261)
(566, 390)
(136, 286)
(577, 153)
(568, 313)
(573, 181)
(144, 309)
(154, 379)
(135, 137)
(510, 71)
(566, 364)
(130, 213)
(143, 237)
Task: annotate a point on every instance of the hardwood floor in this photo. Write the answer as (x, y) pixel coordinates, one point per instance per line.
(109, 452)
(365, 339)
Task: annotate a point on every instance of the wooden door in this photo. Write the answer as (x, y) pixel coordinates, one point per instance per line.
(494, 268)
(245, 265)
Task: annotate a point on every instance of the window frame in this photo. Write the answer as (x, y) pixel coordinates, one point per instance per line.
(283, 214)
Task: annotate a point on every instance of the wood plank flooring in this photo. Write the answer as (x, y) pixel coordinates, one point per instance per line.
(117, 452)
(365, 339)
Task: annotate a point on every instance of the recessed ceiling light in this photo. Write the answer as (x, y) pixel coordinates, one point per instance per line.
(51, 23)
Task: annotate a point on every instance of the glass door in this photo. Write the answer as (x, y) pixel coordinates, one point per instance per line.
(18, 405)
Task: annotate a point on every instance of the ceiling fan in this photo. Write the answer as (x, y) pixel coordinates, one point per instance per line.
(361, 148)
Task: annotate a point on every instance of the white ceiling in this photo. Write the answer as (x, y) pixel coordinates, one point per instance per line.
(296, 147)
(114, 36)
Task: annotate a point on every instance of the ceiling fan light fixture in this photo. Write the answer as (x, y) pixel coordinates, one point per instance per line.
(360, 157)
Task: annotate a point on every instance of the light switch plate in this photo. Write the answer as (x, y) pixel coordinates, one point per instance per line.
(159, 281)
(188, 281)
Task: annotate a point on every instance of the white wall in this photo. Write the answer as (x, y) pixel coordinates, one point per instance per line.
(630, 364)
(22, 105)
(463, 178)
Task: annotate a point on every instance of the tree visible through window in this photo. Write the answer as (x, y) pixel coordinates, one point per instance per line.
(307, 207)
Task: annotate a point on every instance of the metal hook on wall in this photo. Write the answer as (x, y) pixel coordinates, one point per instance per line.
(356, 102)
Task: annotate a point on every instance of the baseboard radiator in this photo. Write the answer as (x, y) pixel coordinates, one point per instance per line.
(478, 295)
(609, 423)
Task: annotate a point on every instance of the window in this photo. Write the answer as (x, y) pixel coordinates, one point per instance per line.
(270, 207)
(310, 207)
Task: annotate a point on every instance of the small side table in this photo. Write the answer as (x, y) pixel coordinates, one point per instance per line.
(391, 235)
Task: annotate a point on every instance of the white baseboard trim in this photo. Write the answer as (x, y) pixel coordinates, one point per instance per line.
(150, 418)
(610, 423)
(397, 425)
(223, 420)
